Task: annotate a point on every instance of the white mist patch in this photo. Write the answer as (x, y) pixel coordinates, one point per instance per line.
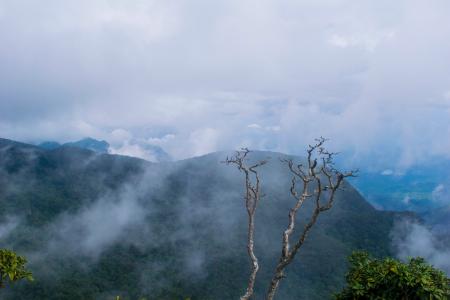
(195, 263)
(412, 239)
(134, 150)
(441, 195)
(7, 226)
(96, 227)
(123, 143)
(406, 199)
(387, 172)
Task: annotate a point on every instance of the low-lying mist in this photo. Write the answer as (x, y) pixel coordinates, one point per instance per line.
(412, 239)
(136, 228)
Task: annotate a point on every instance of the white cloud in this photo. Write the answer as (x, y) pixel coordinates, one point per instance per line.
(406, 199)
(92, 229)
(273, 128)
(411, 240)
(204, 141)
(119, 136)
(387, 172)
(371, 79)
(124, 143)
(133, 150)
(267, 128)
(441, 195)
(366, 41)
(161, 141)
(254, 126)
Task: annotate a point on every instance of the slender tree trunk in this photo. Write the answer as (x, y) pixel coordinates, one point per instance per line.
(253, 258)
(252, 196)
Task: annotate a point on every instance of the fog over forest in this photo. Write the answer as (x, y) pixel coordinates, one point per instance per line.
(116, 118)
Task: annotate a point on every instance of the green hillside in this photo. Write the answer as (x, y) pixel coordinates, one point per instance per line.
(94, 226)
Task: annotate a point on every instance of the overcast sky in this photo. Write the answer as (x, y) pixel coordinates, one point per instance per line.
(195, 76)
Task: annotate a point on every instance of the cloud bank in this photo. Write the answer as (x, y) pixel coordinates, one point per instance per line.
(411, 240)
(374, 77)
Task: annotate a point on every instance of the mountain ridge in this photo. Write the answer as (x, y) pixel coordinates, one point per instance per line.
(97, 225)
(133, 148)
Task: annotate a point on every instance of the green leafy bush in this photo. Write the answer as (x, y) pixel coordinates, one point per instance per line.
(370, 278)
(12, 267)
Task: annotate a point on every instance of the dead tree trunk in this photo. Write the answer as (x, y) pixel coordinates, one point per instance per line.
(252, 196)
(313, 174)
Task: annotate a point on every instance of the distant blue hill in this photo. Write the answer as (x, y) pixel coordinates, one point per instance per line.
(421, 188)
(159, 154)
(86, 143)
(49, 145)
(155, 152)
(90, 144)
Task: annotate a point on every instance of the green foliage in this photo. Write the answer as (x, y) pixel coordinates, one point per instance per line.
(370, 278)
(12, 267)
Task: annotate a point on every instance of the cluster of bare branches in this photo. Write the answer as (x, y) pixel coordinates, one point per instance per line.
(316, 179)
(320, 172)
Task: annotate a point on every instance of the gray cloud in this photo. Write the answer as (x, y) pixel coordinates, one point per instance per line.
(96, 227)
(411, 239)
(374, 77)
(441, 194)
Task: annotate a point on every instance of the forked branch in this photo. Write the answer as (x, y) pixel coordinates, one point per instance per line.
(320, 172)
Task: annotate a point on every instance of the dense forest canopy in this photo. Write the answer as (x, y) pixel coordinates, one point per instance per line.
(96, 225)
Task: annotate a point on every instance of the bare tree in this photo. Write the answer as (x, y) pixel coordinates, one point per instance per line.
(252, 197)
(326, 180)
(319, 180)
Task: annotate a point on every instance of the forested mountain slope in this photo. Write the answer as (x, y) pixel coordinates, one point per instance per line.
(94, 226)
